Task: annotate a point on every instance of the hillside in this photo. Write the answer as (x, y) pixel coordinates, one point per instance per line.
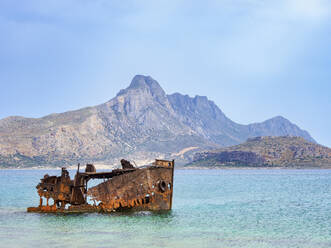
(142, 122)
(267, 152)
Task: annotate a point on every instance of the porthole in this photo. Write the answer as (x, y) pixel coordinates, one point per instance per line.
(162, 186)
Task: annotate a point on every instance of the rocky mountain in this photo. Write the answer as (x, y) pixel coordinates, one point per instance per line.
(205, 118)
(267, 152)
(142, 122)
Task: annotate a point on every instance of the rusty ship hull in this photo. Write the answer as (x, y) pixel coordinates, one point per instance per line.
(149, 188)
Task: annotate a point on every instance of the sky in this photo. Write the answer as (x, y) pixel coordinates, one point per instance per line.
(255, 59)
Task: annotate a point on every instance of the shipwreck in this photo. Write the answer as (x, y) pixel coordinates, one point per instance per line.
(146, 188)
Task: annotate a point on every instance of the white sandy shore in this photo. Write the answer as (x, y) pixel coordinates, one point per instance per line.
(71, 167)
(111, 167)
(251, 168)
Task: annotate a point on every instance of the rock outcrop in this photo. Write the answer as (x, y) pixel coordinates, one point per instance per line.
(267, 152)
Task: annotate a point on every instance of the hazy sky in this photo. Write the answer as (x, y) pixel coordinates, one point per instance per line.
(255, 59)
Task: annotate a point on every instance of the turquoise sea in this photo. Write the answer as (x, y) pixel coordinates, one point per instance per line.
(211, 208)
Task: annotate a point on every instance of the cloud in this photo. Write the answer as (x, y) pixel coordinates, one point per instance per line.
(240, 38)
(311, 10)
(269, 38)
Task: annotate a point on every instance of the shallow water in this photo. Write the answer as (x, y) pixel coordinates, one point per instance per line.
(211, 208)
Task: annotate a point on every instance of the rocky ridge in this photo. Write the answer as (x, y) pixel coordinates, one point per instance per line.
(267, 152)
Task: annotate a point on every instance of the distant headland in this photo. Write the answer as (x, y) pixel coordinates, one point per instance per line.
(267, 152)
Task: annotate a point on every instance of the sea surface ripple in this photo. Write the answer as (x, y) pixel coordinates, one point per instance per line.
(211, 208)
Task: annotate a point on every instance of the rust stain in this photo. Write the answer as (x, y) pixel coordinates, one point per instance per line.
(129, 188)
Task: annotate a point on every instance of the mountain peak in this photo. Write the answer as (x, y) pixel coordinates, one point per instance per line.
(141, 81)
(278, 118)
(279, 126)
(145, 83)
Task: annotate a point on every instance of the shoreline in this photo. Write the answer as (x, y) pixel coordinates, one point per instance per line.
(71, 167)
(254, 168)
(105, 167)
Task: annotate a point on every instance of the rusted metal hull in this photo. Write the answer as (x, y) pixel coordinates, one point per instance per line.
(144, 189)
(135, 189)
